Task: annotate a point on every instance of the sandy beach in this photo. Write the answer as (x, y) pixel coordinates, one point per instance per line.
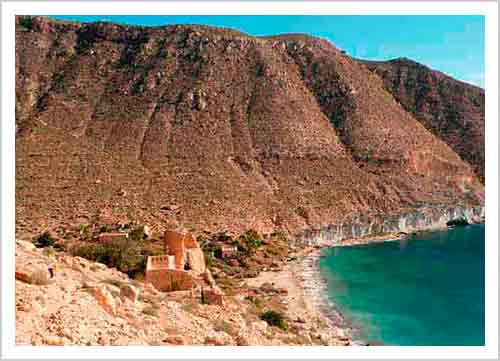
(307, 298)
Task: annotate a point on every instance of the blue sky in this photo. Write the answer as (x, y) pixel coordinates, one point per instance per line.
(451, 44)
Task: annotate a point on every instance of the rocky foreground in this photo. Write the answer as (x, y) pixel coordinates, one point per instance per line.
(87, 303)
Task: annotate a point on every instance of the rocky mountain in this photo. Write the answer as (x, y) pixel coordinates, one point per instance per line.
(214, 129)
(450, 109)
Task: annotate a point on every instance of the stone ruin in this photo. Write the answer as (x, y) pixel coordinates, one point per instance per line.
(112, 237)
(181, 268)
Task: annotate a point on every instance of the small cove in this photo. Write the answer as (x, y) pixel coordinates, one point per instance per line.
(427, 289)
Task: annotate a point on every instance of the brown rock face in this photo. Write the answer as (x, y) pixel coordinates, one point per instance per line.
(448, 108)
(235, 131)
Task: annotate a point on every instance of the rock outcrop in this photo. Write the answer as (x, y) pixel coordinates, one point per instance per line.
(425, 218)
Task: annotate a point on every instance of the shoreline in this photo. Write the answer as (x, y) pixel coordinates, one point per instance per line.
(315, 286)
(306, 306)
(315, 289)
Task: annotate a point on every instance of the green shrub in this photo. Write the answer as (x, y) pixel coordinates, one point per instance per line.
(101, 253)
(45, 240)
(274, 318)
(260, 70)
(210, 250)
(280, 235)
(160, 43)
(27, 23)
(249, 242)
(475, 99)
(137, 88)
(136, 267)
(85, 231)
(105, 228)
(59, 81)
(138, 234)
(60, 247)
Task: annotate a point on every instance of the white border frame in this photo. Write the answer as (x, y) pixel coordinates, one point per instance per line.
(9, 9)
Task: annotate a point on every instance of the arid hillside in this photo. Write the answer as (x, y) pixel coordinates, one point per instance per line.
(450, 109)
(216, 130)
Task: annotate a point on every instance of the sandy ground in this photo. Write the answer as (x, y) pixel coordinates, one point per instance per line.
(306, 294)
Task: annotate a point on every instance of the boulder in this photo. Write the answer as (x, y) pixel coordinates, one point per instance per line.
(99, 266)
(23, 275)
(25, 245)
(259, 326)
(104, 299)
(36, 340)
(170, 207)
(174, 340)
(129, 292)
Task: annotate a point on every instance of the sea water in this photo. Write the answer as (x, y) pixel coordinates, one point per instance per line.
(427, 289)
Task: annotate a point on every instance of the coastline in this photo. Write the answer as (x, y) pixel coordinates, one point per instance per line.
(315, 286)
(306, 305)
(315, 289)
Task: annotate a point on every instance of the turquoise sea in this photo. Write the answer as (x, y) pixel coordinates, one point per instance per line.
(425, 290)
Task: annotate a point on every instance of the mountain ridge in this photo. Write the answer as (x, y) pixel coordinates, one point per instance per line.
(229, 131)
(451, 109)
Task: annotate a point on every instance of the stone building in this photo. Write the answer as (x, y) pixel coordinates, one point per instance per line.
(182, 267)
(186, 251)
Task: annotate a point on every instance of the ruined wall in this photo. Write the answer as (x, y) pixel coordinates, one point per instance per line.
(190, 241)
(174, 245)
(425, 218)
(160, 262)
(196, 260)
(166, 280)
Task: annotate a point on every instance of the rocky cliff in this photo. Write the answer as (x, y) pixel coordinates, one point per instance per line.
(214, 129)
(360, 226)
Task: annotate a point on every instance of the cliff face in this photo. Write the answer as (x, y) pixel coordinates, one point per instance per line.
(448, 108)
(359, 226)
(213, 129)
